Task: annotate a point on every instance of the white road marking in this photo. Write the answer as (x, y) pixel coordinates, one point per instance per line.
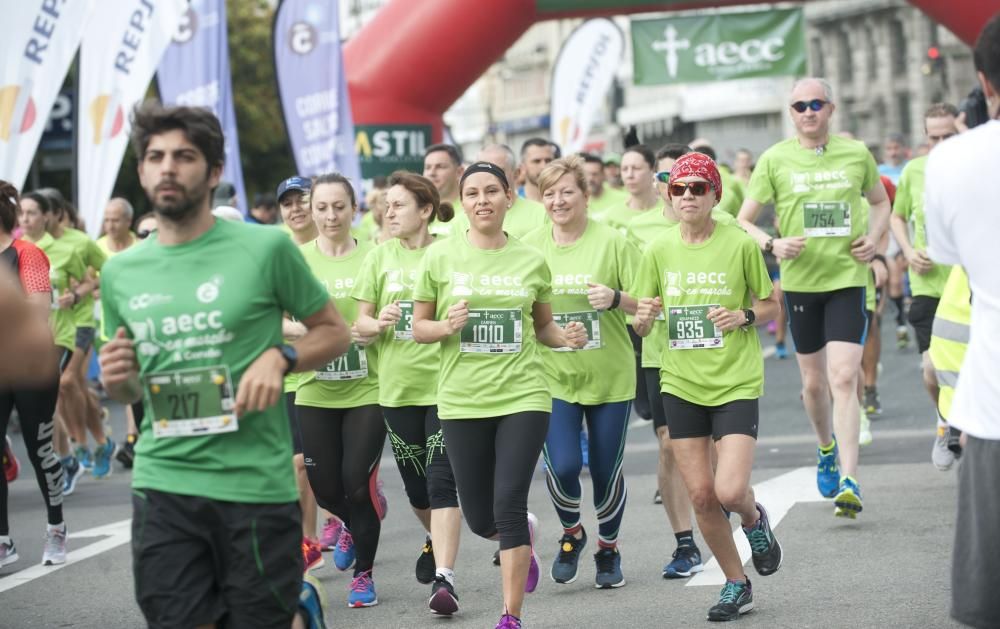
(778, 495)
(114, 534)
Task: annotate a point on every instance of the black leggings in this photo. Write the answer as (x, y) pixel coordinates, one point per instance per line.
(494, 460)
(418, 446)
(342, 448)
(36, 409)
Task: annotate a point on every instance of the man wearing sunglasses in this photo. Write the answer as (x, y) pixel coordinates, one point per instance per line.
(927, 279)
(816, 181)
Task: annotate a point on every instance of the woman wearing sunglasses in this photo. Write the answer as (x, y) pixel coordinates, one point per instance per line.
(711, 284)
(592, 267)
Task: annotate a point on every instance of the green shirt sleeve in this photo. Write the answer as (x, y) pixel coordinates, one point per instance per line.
(646, 282)
(95, 256)
(110, 318)
(629, 260)
(761, 188)
(298, 291)
(426, 287)
(755, 270)
(871, 173)
(544, 295)
(903, 205)
(366, 286)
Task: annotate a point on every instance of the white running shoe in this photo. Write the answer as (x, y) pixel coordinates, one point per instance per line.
(941, 456)
(54, 552)
(8, 554)
(865, 435)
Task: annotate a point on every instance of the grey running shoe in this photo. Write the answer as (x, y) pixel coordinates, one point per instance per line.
(566, 565)
(873, 403)
(735, 599)
(609, 569)
(941, 456)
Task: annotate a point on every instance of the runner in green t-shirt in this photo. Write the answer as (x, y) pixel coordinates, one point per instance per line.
(409, 377)
(602, 196)
(202, 345)
(712, 285)
(927, 279)
(343, 431)
(485, 297)
(443, 166)
(638, 168)
(592, 268)
(816, 181)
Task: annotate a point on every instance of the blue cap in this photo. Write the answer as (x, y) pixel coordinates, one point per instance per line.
(301, 184)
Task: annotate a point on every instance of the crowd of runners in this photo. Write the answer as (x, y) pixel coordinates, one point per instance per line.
(481, 317)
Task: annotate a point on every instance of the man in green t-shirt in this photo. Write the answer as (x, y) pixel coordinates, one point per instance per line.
(816, 182)
(927, 279)
(443, 166)
(602, 196)
(213, 485)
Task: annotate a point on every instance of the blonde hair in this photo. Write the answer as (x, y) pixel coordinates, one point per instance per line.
(570, 165)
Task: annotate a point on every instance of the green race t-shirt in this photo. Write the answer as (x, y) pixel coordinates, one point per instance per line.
(609, 198)
(441, 230)
(733, 193)
(200, 313)
(600, 256)
(814, 195)
(493, 366)
(409, 370)
(619, 216)
(350, 380)
(910, 206)
(642, 231)
(64, 263)
(92, 256)
(697, 363)
(105, 247)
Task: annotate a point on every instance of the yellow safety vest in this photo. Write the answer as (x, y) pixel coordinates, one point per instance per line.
(950, 336)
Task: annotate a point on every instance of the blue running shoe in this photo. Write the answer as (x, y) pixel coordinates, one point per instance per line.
(102, 458)
(827, 472)
(362, 591)
(72, 471)
(609, 569)
(780, 351)
(848, 500)
(83, 457)
(312, 602)
(686, 561)
(585, 448)
(343, 552)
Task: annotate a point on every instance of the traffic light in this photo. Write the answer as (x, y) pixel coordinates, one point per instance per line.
(933, 62)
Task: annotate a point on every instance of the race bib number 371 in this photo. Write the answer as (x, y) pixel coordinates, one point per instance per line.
(827, 219)
(352, 365)
(191, 402)
(492, 332)
(689, 327)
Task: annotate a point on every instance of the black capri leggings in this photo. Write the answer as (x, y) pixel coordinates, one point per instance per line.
(342, 448)
(35, 408)
(418, 447)
(493, 460)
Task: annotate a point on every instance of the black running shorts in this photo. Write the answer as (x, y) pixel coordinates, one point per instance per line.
(686, 420)
(818, 318)
(922, 310)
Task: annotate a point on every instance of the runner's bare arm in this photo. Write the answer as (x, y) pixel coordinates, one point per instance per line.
(120, 368)
(881, 208)
(548, 332)
(646, 312)
(327, 336)
(747, 217)
(427, 329)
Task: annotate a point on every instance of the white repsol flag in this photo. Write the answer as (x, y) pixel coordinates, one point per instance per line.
(39, 41)
(580, 81)
(120, 52)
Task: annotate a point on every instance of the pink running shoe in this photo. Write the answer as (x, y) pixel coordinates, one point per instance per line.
(331, 533)
(533, 571)
(312, 555)
(11, 466)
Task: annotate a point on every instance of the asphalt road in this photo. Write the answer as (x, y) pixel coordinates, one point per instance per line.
(889, 568)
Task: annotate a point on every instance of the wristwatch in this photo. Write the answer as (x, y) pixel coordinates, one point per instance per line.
(750, 316)
(290, 355)
(769, 245)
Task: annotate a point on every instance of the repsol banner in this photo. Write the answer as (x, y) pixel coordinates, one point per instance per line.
(719, 47)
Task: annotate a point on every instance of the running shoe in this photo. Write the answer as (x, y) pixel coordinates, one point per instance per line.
(873, 403)
(772, 327)
(382, 500)
(496, 557)
(331, 533)
(72, 471)
(902, 337)
(955, 441)
(609, 569)
(941, 456)
(657, 498)
(312, 555)
(736, 599)
(865, 432)
(766, 552)
(848, 501)
(425, 563)
(312, 602)
(54, 550)
(508, 622)
(362, 591)
(8, 553)
(780, 351)
(84, 457)
(565, 567)
(533, 569)
(444, 601)
(686, 561)
(102, 458)
(126, 453)
(827, 472)
(11, 466)
(343, 552)
(585, 448)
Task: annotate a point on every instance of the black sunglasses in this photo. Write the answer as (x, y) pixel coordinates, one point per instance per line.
(697, 188)
(815, 104)
(142, 234)
(663, 176)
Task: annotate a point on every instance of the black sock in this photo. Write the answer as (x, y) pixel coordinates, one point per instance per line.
(684, 538)
(898, 301)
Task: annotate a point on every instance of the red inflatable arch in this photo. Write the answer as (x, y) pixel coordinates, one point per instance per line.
(413, 60)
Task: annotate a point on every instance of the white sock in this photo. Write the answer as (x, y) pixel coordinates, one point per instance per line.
(61, 527)
(449, 575)
(5, 539)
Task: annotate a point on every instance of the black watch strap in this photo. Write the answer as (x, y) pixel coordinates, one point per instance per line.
(750, 316)
(290, 355)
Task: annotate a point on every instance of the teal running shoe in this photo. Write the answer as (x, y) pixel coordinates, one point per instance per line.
(848, 500)
(827, 471)
(736, 599)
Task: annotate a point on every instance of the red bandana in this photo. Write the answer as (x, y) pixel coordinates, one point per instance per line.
(697, 165)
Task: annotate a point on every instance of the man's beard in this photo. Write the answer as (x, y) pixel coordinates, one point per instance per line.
(184, 207)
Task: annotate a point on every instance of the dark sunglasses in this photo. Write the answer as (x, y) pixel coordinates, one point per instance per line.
(142, 234)
(663, 176)
(697, 188)
(815, 104)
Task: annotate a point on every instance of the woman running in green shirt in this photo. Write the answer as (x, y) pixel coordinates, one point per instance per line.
(485, 297)
(409, 375)
(592, 266)
(712, 285)
(337, 407)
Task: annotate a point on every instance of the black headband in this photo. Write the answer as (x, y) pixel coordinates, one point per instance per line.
(485, 167)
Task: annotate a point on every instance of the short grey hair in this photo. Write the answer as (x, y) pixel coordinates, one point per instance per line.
(827, 88)
(122, 201)
(506, 150)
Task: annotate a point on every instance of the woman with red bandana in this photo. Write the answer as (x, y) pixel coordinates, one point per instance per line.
(710, 283)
